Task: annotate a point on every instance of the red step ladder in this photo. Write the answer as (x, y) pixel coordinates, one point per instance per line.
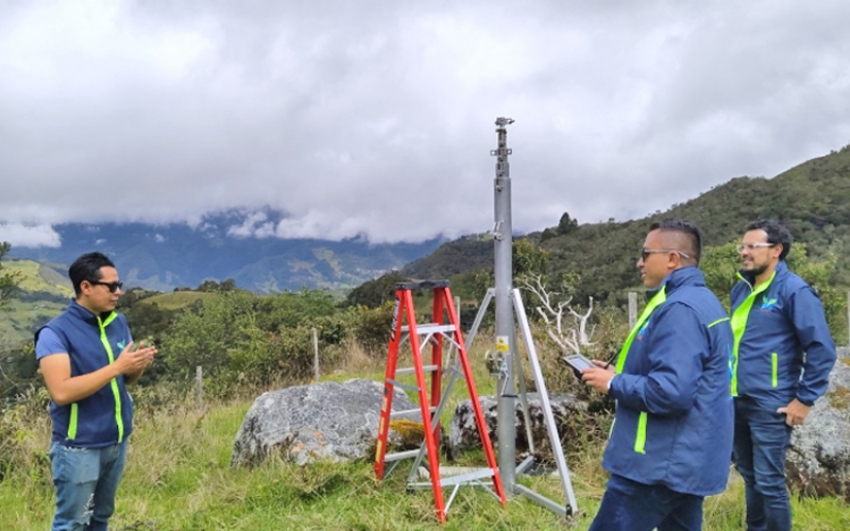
(434, 333)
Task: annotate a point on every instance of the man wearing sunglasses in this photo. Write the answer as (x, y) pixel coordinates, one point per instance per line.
(781, 361)
(672, 435)
(87, 358)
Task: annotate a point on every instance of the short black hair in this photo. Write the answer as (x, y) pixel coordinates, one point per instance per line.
(87, 267)
(686, 228)
(776, 234)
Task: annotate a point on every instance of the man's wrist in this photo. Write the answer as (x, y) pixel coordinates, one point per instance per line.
(806, 403)
(608, 386)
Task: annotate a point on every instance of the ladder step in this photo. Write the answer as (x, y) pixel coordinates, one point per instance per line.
(398, 456)
(409, 387)
(471, 476)
(458, 479)
(404, 412)
(412, 370)
(425, 329)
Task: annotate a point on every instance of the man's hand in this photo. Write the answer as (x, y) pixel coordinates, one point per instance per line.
(599, 376)
(133, 361)
(795, 412)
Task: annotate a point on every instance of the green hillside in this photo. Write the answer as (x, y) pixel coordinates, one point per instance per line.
(176, 300)
(43, 293)
(812, 199)
(38, 277)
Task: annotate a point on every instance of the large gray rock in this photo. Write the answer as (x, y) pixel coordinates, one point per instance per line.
(326, 420)
(570, 413)
(818, 462)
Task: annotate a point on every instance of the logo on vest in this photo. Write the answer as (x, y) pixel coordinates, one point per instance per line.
(767, 304)
(642, 330)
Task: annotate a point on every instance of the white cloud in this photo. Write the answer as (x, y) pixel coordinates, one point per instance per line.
(376, 118)
(255, 225)
(21, 235)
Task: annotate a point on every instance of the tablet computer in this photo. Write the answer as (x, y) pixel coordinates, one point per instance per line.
(578, 363)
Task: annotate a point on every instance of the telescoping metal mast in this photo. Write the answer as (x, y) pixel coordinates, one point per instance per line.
(505, 330)
(509, 305)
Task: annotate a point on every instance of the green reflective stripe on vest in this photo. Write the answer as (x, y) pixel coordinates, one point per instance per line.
(640, 440)
(654, 302)
(717, 322)
(113, 383)
(774, 369)
(72, 422)
(739, 324)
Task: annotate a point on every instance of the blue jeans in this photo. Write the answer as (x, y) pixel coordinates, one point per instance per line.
(86, 480)
(761, 439)
(631, 506)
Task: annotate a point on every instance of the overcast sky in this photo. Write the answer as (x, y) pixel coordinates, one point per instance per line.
(375, 118)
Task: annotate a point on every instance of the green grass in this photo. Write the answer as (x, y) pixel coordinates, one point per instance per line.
(38, 277)
(179, 478)
(18, 319)
(175, 300)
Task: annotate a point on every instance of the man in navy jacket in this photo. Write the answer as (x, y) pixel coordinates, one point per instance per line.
(87, 358)
(672, 434)
(782, 357)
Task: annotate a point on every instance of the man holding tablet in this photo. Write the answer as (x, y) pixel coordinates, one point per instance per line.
(672, 437)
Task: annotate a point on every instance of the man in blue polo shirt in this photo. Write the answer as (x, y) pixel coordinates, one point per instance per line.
(87, 358)
(782, 357)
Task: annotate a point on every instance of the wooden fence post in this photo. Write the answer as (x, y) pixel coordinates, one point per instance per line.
(848, 318)
(632, 309)
(315, 334)
(199, 388)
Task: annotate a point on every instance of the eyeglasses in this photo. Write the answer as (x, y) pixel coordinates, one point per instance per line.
(753, 246)
(644, 253)
(111, 286)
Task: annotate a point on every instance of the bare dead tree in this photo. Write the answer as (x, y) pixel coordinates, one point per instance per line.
(570, 336)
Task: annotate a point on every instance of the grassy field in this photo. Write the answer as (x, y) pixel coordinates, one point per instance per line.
(18, 319)
(175, 300)
(179, 478)
(38, 277)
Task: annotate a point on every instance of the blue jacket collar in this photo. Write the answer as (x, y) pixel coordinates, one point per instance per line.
(685, 276)
(781, 270)
(80, 312)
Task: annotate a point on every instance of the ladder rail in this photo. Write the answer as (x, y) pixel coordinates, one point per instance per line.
(389, 389)
(433, 457)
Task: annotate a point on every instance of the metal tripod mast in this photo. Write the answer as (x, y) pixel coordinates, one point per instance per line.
(505, 330)
(507, 356)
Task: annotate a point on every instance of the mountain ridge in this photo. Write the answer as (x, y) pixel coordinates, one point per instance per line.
(812, 199)
(165, 257)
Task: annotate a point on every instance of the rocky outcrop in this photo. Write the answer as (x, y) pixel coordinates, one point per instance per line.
(571, 417)
(326, 420)
(818, 461)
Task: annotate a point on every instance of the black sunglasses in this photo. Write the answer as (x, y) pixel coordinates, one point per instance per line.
(644, 253)
(111, 286)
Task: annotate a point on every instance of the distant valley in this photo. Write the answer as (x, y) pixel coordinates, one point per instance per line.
(164, 257)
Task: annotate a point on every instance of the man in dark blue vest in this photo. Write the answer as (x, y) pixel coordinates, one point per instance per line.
(87, 358)
(782, 357)
(672, 435)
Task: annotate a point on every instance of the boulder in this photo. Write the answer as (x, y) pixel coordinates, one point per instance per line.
(818, 461)
(305, 423)
(571, 417)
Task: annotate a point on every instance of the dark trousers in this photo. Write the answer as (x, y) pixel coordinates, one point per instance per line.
(632, 506)
(761, 439)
